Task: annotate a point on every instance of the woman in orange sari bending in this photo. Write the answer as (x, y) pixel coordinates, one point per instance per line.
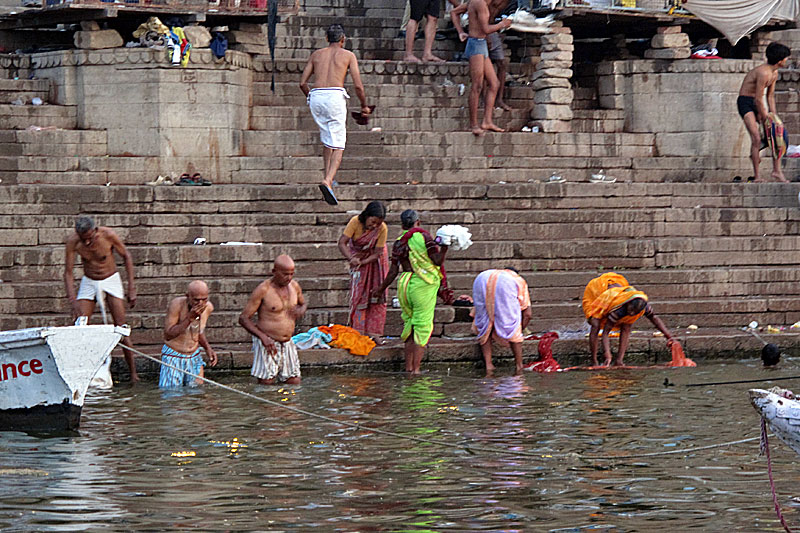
(610, 302)
(363, 244)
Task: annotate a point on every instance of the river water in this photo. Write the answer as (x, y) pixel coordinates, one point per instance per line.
(208, 459)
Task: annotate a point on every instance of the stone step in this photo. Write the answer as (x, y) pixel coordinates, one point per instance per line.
(310, 26)
(43, 116)
(392, 124)
(369, 48)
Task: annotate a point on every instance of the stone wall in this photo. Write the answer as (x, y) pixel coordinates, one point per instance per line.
(687, 104)
(180, 119)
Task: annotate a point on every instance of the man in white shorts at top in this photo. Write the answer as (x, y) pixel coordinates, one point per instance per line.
(328, 101)
(101, 283)
(278, 303)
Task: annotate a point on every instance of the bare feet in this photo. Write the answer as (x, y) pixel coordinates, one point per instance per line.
(518, 371)
(489, 371)
(504, 106)
(492, 127)
(411, 58)
(780, 178)
(432, 59)
(477, 131)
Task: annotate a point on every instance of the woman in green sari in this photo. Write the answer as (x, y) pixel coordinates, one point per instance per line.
(422, 262)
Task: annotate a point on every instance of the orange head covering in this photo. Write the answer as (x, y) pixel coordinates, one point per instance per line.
(599, 300)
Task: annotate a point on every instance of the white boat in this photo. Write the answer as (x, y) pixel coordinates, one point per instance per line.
(781, 411)
(45, 372)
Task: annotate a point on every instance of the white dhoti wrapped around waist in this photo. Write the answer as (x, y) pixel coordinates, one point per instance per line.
(329, 108)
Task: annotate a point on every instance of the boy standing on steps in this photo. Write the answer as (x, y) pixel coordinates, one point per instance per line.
(328, 101)
(481, 70)
(750, 104)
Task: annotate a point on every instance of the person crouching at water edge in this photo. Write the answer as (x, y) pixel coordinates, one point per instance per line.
(96, 246)
(279, 303)
(610, 302)
(422, 261)
(363, 244)
(184, 335)
(328, 101)
(502, 311)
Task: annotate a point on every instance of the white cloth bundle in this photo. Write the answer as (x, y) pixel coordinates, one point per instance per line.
(526, 22)
(457, 237)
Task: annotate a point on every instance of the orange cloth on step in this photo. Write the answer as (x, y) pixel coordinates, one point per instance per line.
(678, 357)
(599, 300)
(349, 339)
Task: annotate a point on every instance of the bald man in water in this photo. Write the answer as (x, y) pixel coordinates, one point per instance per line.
(278, 302)
(184, 335)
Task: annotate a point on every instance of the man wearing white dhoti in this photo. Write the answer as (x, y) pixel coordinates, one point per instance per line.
(328, 101)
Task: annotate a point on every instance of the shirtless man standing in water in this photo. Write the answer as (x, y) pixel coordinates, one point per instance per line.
(279, 303)
(96, 246)
(184, 335)
(328, 101)
(750, 103)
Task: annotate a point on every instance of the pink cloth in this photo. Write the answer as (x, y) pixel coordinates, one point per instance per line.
(367, 317)
(500, 296)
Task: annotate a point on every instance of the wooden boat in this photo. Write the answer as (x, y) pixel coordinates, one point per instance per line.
(45, 372)
(781, 411)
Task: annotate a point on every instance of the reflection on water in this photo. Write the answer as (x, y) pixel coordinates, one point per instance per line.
(208, 459)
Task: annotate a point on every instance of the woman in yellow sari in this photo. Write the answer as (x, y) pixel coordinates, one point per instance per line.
(610, 302)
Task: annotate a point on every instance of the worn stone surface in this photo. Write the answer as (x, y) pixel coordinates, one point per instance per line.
(552, 73)
(548, 83)
(553, 96)
(669, 29)
(670, 40)
(96, 40)
(558, 48)
(668, 53)
(556, 39)
(551, 112)
(556, 56)
(554, 126)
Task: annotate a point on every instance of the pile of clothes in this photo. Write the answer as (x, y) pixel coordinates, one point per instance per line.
(335, 336)
(155, 34)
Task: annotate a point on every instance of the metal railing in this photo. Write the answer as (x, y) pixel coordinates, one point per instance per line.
(199, 6)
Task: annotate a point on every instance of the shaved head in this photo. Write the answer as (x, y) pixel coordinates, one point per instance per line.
(197, 288)
(283, 270)
(283, 261)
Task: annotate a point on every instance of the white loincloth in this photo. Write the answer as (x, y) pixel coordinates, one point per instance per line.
(284, 365)
(329, 109)
(96, 289)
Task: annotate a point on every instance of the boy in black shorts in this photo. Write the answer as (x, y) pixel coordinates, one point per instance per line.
(750, 103)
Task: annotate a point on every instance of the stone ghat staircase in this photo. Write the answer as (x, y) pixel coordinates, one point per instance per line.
(717, 256)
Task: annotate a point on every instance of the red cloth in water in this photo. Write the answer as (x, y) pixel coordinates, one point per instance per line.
(546, 362)
(678, 357)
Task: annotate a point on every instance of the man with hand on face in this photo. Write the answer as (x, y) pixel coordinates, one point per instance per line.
(184, 334)
(279, 303)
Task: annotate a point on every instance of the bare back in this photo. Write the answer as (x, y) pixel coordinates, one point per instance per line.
(98, 259)
(330, 66)
(758, 79)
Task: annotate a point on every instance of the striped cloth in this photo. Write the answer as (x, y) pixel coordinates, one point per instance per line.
(171, 378)
(284, 365)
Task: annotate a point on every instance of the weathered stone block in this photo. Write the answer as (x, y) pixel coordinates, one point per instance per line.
(96, 40)
(670, 40)
(556, 56)
(547, 83)
(611, 101)
(199, 36)
(684, 144)
(252, 48)
(558, 48)
(253, 28)
(556, 95)
(668, 29)
(541, 65)
(668, 53)
(90, 25)
(551, 112)
(246, 37)
(552, 73)
(556, 38)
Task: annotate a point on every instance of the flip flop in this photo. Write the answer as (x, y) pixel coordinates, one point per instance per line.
(737, 179)
(199, 180)
(327, 194)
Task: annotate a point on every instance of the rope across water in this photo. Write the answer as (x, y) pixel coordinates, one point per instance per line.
(453, 445)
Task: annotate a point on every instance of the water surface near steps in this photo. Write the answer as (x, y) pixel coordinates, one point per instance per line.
(212, 460)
